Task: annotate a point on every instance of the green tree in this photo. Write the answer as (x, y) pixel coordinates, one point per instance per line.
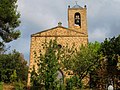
(13, 67)
(9, 20)
(73, 83)
(47, 67)
(110, 49)
(108, 70)
(81, 62)
(85, 60)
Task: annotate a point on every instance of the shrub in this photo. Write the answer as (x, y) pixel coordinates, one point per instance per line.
(19, 85)
(1, 85)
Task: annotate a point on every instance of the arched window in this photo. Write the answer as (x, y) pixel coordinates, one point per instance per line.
(77, 18)
(60, 76)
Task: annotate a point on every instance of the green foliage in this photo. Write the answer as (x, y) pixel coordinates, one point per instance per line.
(12, 67)
(85, 60)
(51, 66)
(66, 57)
(80, 62)
(108, 70)
(111, 50)
(73, 83)
(1, 85)
(35, 79)
(13, 77)
(19, 85)
(47, 67)
(9, 20)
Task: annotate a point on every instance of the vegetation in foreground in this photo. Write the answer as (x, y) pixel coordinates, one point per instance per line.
(93, 60)
(89, 60)
(1, 86)
(13, 67)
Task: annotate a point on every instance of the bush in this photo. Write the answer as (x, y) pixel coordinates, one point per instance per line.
(19, 86)
(1, 85)
(73, 83)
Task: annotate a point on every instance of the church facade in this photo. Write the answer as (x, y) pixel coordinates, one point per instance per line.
(75, 33)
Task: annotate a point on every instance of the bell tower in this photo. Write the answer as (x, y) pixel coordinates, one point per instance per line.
(77, 19)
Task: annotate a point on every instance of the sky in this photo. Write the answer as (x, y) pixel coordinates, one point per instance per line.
(103, 19)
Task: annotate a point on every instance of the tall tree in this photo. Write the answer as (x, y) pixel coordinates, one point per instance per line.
(111, 50)
(68, 60)
(48, 66)
(85, 60)
(13, 67)
(9, 20)
(108, 71)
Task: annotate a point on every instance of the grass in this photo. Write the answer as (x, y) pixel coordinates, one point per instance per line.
(1, 86)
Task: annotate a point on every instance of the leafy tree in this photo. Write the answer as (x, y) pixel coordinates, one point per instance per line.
(110, 49)
(67, 59)
(9, 20)
(108, 70)
(85, 60)
(73, 83)
(47, 67)
(13, 67)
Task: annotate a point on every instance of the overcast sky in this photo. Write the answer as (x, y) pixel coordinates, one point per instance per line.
(103, 19)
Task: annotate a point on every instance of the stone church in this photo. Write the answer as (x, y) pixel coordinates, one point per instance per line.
(75, 33)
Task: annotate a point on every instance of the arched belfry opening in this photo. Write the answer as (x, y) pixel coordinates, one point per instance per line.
(77, 19)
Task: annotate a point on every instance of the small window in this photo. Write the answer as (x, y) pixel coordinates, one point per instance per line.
(77, 19)
(59, 46)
